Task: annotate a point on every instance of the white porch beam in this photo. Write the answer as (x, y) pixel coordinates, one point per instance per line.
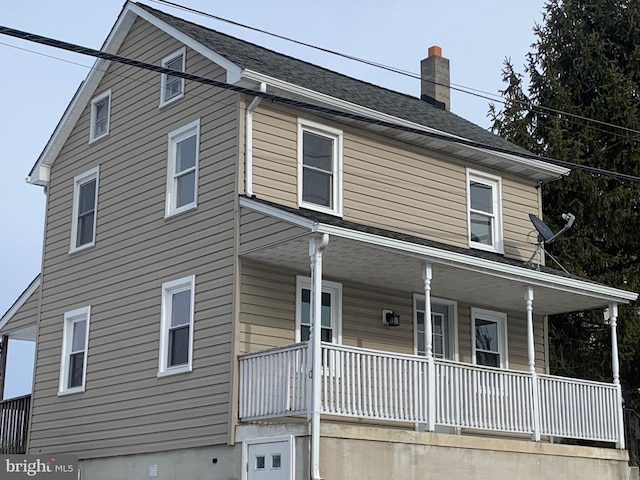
(427, 275)
(317, 243)
(531, 355)
(615, 369)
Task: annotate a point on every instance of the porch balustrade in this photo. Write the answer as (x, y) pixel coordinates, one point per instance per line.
(14, 418)
(380, 385)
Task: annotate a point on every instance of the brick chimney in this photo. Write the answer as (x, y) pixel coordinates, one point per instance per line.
(435, 81)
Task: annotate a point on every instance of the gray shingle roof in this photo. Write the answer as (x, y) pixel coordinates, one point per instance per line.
(247, 55)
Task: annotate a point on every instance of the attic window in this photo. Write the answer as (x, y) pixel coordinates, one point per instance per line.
(100, 113)
(172, 87)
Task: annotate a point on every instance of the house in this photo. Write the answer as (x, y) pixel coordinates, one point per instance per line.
(195, 233)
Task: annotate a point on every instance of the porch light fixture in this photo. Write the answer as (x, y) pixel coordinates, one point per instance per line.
(390, 318)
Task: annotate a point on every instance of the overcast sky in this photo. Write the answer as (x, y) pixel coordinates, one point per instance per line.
(35, 88)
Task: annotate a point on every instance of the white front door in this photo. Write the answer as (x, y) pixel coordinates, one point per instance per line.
(444, 324)
(269, 461)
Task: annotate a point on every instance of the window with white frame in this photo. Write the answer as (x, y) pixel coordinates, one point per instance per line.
(331, 315)
(319, 167)
(172, 87)
(182, 168)
(84, 211)
(176, 335)
(484, 197)
(100, 115)
(444, 327)
(489, 333)
(75, 341)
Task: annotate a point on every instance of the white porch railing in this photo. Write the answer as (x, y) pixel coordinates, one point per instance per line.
(273, 383)
(364, 383)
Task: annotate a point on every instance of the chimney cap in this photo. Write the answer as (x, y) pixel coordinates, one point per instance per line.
(435, 51)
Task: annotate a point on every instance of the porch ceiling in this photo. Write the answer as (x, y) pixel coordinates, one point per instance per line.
(347, 259)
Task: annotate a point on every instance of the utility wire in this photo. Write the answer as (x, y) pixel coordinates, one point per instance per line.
(300, 104)
(459, 88)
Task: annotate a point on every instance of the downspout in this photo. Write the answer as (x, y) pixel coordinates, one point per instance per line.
(248, 159)
(317, 243)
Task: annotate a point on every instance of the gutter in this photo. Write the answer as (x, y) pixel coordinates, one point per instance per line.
(248, 152)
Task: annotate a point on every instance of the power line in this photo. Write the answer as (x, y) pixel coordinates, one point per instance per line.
(459, 88)
(299, 104)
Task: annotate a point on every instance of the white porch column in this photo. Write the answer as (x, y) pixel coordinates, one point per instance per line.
(615, 368)
(531, 355)
(431, 367)
(317, 243)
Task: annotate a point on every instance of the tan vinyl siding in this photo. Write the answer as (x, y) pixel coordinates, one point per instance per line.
(387, 183)
(267, 317)
(126, 409)
(26, 316)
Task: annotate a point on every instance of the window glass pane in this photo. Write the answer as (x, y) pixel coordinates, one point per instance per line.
(316, 187)
(179, 346)
(186, 154)
(421, 345)
(326, 310)
(438, 346)
(420, 321)
(260, 462)
(76, 366)
(173, 87)
(488, 359)
(437, 324)
(326, 335)
(486, 335)
(276, 460)
(79, 334)
(186, 189)
(175, 64)
(85, 229)
(317, 151)
(181, 308)
(87, 197)
(305, 314)
(305, 333)
(481, 196)
(481, 230)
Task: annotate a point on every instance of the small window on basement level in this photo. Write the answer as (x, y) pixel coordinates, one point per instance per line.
(172, 87)
(176, 336)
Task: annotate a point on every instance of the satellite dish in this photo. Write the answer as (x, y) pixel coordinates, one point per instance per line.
(546, 235)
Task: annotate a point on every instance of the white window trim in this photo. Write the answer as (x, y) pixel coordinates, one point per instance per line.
(168, 289)
(503, 343)
(327, 287)
(498, 234)
(453, 323)
(70, 318)
(337, 136)
(92, 128)
(172, 189)
(163, 81)
(79, 180)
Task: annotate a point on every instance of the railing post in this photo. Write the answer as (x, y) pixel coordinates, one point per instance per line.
(4, 351)
(615, 368)
(431, 368)
(531, 354)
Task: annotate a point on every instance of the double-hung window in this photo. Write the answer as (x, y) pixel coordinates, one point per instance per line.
(176, 336)
(489, 333)
(75, 341)
(182, 169)
(484, 198)
(172, 87)
(331, 311)
(319, 167)
(100, 114)
(85, 208)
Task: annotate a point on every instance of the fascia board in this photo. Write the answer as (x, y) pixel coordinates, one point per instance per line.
(476, 264)
(277, 213)
(553, 171)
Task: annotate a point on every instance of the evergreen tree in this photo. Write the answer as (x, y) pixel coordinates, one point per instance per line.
(586, 62)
